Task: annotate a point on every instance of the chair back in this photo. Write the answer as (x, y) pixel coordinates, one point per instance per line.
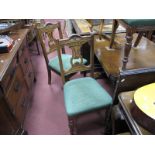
(132, 79)
(75, 43)
(47, 38)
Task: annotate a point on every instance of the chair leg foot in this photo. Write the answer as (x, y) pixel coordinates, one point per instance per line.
(49, 77)
(72, 126)
(108, 121)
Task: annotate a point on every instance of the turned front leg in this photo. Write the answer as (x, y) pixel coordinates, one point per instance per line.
(127, 48)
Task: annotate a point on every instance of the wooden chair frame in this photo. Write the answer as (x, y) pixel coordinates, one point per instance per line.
(46, 31)
(75, 42)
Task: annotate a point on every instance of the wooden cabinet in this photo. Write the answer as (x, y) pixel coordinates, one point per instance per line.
(16, 80)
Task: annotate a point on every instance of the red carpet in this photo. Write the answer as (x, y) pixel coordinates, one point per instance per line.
(47, 115)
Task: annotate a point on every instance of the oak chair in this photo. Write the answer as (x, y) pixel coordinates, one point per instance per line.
(132, 26)
(81, 95)
(48, 40)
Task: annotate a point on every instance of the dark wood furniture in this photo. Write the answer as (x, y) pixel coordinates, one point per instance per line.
(132, 26)
(85, 94)
(126, 104)
(16, 80)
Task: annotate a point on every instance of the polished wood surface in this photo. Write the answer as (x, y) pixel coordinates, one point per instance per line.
(126, 104)
(111, 59)
(6, 59)
(81, 26)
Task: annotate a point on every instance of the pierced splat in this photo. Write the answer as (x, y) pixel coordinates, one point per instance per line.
(75, 43)
(47, 36)
(76, 55)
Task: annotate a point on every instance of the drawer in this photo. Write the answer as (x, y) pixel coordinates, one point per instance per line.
(24, 61)
(8, 77)
(15, 91)
(30, 76)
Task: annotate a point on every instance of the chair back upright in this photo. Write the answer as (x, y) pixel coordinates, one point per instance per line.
(48, 39)
(75, 43)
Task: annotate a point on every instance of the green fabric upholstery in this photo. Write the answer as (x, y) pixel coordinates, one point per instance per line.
(140, 22)
(54, 62)
(83, 95)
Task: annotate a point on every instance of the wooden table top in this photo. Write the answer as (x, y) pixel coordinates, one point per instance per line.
(83, 27)
(125, 100)
(143, 56)
(6, 58)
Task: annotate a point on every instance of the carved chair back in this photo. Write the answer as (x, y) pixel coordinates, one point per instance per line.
(47, 38)
(75, 43)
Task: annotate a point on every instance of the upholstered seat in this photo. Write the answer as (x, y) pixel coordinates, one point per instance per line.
(140, 22)
(54, 62)
(83, 95)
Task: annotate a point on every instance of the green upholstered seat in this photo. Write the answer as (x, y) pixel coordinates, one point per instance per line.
(54, 62)
(140, 22)
(83, 95)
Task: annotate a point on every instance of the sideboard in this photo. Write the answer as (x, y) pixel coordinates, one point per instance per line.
(16, 81)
